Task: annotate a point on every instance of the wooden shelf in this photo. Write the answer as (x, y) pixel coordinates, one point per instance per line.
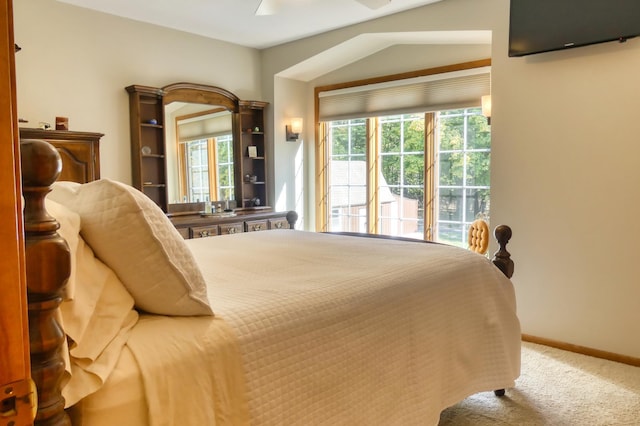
(145, 104)
(252, 116)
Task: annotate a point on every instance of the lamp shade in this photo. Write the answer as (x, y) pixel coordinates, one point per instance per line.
(296, 124)
(486, 106)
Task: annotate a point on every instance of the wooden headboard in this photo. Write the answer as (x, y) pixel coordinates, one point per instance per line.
(79, 152)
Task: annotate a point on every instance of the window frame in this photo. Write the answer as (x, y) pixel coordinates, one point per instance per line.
(322, 169)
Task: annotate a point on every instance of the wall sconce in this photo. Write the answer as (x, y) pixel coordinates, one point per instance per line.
(486, 107)
(293, 129)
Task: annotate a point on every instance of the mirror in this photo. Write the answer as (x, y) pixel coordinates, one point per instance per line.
(200, 136)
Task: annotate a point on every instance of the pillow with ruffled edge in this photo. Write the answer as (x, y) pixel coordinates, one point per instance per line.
(133, 236)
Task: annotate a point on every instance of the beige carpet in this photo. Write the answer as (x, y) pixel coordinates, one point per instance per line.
(557, 388)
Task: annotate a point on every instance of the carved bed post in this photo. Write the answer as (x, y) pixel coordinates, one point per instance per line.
(502, 258)
(47, 268)
(292, 217)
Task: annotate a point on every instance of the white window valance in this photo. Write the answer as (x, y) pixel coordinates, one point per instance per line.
(203, 127)
(457, 89)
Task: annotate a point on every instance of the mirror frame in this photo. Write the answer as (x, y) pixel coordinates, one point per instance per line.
(207, 95)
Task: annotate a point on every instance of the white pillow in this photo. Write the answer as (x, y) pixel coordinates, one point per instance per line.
(134, 237)
(64, 192)
(69, 230)
(97, 322)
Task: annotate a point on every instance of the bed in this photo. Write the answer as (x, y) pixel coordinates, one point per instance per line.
(131, 325)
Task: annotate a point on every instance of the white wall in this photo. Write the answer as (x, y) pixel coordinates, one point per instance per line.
(565, 148)
(76, 63)
(565, 142)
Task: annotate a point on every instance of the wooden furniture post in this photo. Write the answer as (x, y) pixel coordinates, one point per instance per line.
(502, 258)
(48, 265)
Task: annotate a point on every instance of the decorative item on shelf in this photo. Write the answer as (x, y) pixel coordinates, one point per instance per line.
(293, 129)
(255, 202)
(252, 151)
(145, 150)
(44, 125)
(253, 179)
(247, 177)
(152, 121)
(62, 123)
(256, 129)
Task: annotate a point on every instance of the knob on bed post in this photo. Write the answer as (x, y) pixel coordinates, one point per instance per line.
(502, 258)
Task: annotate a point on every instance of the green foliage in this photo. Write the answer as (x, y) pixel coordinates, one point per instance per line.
(403, 137)
(349, 137)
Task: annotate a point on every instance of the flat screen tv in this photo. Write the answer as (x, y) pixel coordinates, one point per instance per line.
(537, 26)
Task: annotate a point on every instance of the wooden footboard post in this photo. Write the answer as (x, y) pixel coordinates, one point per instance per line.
(502, 258)
(48, 265)
(292, 217)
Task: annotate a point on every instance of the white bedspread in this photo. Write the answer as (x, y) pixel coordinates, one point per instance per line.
(334, 331)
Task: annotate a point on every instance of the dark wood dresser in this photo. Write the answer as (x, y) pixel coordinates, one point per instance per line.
(199, 226)
(80, 151)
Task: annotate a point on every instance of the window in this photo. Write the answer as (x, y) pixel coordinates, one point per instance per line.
(197, 165)
(378, 180)
(348, 185)
(464, 153)
(208, 168)
(407, 155)
(224, 157)
(401, 184)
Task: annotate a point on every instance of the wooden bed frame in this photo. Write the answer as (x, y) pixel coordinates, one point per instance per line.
(48, 268)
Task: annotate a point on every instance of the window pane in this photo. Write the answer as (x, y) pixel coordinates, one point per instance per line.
(390, 169)
(477, 203)
(401, 186)
(464, 143)
(451, 132)
(478, 172)
(450, 205)
(197, 170)
(225, 183)
(451, 233)
(391, 135)
(348, 176)
(451, 167)
(479, 133)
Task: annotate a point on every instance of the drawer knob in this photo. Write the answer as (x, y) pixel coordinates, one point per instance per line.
(257, 227)
(232, 230)
(204, 233)
(278, 225)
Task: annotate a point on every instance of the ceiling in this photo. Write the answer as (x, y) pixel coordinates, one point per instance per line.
(236, 21)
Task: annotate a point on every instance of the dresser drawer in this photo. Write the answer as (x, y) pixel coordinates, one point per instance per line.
(185, 232)
(231, 228)
(204, 231)
(257, 225)
(280, 223)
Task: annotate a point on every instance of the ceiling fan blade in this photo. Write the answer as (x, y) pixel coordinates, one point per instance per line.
(269, 7)
(374, 4)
